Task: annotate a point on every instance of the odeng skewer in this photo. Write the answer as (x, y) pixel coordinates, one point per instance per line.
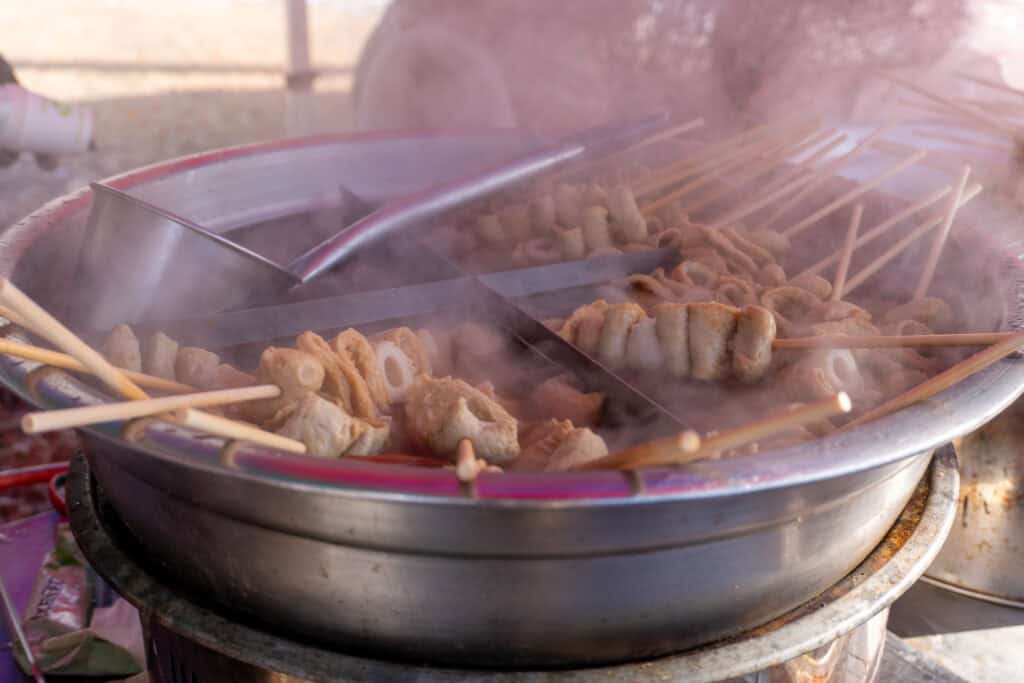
(46, 325)
(66, 362)
(847, 253)
(51, 420)
(893, 341)
(715, 444)
(679, 448)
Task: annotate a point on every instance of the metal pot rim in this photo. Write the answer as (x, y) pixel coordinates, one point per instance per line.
(913, 430)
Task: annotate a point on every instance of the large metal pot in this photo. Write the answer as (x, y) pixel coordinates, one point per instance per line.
(524, 569)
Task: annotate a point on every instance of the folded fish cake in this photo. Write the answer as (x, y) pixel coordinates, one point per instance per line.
(711, 328)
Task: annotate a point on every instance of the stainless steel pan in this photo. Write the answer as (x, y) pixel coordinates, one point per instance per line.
(522, 569)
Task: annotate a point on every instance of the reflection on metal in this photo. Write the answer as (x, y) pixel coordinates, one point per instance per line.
(807, 644)
(985, 551)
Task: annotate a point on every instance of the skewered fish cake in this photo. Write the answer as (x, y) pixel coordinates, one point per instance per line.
(711, 327)
(931, 311)
(328, 431)
(572, 242)
(558, 446)
(671, 326)
(823, 373)
(397, 370)
(558, 398)
(296, 372)
(121, 347)
(643, 350)
(159, 353)
(342, 381)
(357, 348)
(771, 275)
(515, 222)
(629, 222)
(195, 366)
(618, 320)
(441, 412)
(596, 232)
(793, 308)
(815, 284)
(568, 204)
(752, 345)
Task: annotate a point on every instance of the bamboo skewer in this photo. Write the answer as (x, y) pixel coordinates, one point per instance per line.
(66, 362)
(940, 237)
(713, 155)
(854, 194)
(705, 175)
(791, 173)
(680, 448)
(707, 153)
(13, 317)
(231, 429)
(825, 172)
(898, 248)
(44, 324)
(995, 85)
(757, 203)
(765, 166)
(758, 169)
(722, 163)
(807, 164)
(660, 136)
(51, 420)
(941, 160)
(467, 466)
(965, 142)
(1011, 110)
(881, 228)
(944, 380)
(893, 341)
(652, 454)
(847, 253)
(976, 115)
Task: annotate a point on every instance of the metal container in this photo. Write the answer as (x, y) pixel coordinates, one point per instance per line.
(985, 550)
(836, 638)
(521, 569)
(142, 262)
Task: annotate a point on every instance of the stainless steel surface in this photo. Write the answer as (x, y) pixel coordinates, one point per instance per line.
(566, 568)
(140, 261)
(985, 551)
(804, 642)
(436, 199)
(290, 319)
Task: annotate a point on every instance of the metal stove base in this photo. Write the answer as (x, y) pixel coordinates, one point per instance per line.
(839, 637)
